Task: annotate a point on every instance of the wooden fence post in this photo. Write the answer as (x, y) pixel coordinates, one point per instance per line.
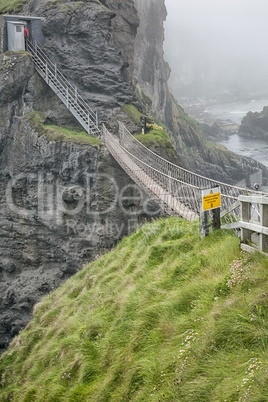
(245, 214)
(204, 224)
(264, 222)
(216, 219)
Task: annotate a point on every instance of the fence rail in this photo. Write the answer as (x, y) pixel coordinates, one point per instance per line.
(254, 218)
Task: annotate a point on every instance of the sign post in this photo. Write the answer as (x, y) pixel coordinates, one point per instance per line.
(210, 200)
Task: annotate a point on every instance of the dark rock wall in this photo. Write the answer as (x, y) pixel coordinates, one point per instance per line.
(151, 70)
(108, 48)
(93, 45)
(61, 204)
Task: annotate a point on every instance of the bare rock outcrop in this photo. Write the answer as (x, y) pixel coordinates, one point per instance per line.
(93, 45)
(255, 125)
(151, 70)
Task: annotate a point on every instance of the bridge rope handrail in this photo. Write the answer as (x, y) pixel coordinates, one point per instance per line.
(158, 176)
(175, 196)
(149, 166)
(123, 132)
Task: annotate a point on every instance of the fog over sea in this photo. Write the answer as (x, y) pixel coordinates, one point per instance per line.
(216, 52)
(235, 111)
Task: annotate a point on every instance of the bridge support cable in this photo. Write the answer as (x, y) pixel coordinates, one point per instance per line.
(172, 195)
(229, 193)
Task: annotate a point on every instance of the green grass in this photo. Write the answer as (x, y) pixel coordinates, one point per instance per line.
(15, 6)
(11, 6)
(133, 113)
(152, 320)
(156, 137)
(60, 134)
(157, 140)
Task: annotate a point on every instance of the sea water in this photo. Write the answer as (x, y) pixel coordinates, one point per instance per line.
(253, 148)
(234, 112)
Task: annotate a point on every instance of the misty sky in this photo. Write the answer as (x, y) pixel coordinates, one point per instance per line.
(217, 41)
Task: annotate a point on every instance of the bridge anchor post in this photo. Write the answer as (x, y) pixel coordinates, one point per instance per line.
(216, 219)
(204, 224)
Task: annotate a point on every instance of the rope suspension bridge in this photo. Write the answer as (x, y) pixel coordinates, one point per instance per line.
(174, 188)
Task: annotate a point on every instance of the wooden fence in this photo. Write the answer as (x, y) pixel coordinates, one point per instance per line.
(254, 220)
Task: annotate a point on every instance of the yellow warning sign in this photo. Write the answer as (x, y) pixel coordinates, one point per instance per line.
(211, 198)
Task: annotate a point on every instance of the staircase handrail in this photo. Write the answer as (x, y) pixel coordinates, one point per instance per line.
(35, 49)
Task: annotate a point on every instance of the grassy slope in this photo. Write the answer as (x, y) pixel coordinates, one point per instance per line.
(59, 134)
(159, 318)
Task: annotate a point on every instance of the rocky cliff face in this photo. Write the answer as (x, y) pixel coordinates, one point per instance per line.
(255, 125)
(93, 45)
(112, 51)
(151, 71)
(62, 203)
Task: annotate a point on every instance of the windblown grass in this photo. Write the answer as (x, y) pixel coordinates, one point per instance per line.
(161, 317)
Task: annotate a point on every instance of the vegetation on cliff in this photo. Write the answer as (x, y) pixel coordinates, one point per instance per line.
(164, 316)
(60, 134)
(11, 6)
(159, 142)
(15, 6)
(156, 137)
